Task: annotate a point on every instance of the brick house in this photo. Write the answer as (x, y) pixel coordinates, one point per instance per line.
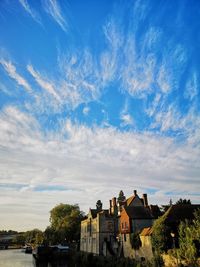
(135, 215)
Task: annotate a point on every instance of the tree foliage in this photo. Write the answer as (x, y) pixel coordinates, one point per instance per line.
(121, 196)
(34, 237)
(99, 205)
(135, 241)
(65, 222)
(183, 201)
(161, 239)
(189, 240)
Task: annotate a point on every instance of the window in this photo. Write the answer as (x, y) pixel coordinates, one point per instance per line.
(124, 237)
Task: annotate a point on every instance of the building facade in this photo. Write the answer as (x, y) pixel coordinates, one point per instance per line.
(111, 232)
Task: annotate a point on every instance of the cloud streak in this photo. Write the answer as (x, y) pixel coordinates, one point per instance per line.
(11, 71)
(30, 11)
(43, 83)
(53, 9)
(82, 157)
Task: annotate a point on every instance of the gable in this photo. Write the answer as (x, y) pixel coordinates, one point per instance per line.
(134, 201)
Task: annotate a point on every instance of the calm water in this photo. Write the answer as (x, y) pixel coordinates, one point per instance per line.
(16, 258)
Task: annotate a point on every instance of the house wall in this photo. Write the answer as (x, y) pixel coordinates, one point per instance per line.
(95, 231)
(89, 236)
(124, 223)
(145, 251)
(106, 230)
(146, 248)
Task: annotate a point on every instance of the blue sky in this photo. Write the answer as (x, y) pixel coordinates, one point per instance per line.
(97, 96)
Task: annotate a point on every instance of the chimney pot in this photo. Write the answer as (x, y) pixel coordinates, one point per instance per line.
(145, 200)
(135, 192)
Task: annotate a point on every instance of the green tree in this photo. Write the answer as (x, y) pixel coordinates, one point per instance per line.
(183, 201)
(99, 205)
(34, 237)
(189, 240)
(65, 220)
(161, 238)
(121, 196)
(19, 239)
(135, 241)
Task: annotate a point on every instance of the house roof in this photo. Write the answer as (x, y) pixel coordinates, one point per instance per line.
(180, 212)
(138, 212)
(93, 212)
(129, 200)
(155, 211)
(146, 231)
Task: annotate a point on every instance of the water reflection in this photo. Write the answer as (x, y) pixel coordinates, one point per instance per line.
(16, 258)
(51, 264)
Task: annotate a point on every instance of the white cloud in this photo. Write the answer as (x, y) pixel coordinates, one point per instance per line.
(43, 82)
(30, 11)
(191, 89)
(125, 117)
(53, 9)
(11, 70)
(86, 110)
(86, 161)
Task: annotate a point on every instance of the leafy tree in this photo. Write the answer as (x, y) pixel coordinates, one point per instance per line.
(19, 239)
(183, 201)
(189, 240)
(99, 205)
(34, 237)
(65, 220)
(121, 196)
(135, 241)
(161, 239)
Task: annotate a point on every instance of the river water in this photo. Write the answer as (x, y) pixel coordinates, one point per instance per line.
(16, 258)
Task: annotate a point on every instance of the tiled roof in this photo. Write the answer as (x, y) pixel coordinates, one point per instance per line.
(146, 231)
(155, 211)
(129, 200)
(138, 212)
(93, 212)
(181, 212)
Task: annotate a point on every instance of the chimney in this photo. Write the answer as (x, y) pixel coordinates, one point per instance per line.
(145, 200)
(110, 209)
(114, 206)
(114, 202)
(135, 192)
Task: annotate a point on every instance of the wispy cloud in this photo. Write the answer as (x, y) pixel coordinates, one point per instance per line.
(69, 159)
(11, 70)
(53, 9)
(125, 116)
(43, 83)
(86, 110)
(30, 11)
(191, 89)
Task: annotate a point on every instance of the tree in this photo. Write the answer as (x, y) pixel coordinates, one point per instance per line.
(161, 239)
(65, 220)
(121, 196)
(183, 201)
(19, 239)
(34, 237)
(99, 205)
(189, 240)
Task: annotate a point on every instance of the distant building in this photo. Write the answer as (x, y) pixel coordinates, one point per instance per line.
(108, 232)
(135, 215)
(98, 230)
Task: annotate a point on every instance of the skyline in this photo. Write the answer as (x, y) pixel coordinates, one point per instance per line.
(96, 97)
